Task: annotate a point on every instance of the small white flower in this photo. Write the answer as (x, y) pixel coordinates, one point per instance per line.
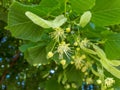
(84, 43)
(79, 60)
(109, 82)
(58, 34)
(63, 48)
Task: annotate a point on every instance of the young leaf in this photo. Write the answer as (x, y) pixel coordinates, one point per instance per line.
(85, 18)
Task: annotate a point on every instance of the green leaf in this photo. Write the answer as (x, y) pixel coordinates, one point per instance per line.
(50, 3)
(74, 75)
(21, 26)
(106, 12)
(112, 46)
(36, 55)
(3, 14)
(24, 47)
(52, 84)
(56, 5)
(57, 22)
(79, 6)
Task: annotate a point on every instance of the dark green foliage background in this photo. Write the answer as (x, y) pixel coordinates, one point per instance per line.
(33, 76)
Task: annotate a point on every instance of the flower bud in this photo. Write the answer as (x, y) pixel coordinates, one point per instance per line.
(99, 81)
(63, 62)
(74, 85)
(78, 49)
(68, 30)
(50, 54)
(85, 18)
(75, 44)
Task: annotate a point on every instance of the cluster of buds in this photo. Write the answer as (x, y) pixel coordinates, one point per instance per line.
(72, 85)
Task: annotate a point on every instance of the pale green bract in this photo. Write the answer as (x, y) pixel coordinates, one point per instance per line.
(107, 64)
(57, 22)
(114, 71)
(99, 51)
(114, 62)
(85, 18)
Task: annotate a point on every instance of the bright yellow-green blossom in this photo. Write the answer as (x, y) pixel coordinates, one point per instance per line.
(58, 34)
(62, 49)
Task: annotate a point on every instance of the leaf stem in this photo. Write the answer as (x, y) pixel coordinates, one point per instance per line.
(53, 46)
(65, 7)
